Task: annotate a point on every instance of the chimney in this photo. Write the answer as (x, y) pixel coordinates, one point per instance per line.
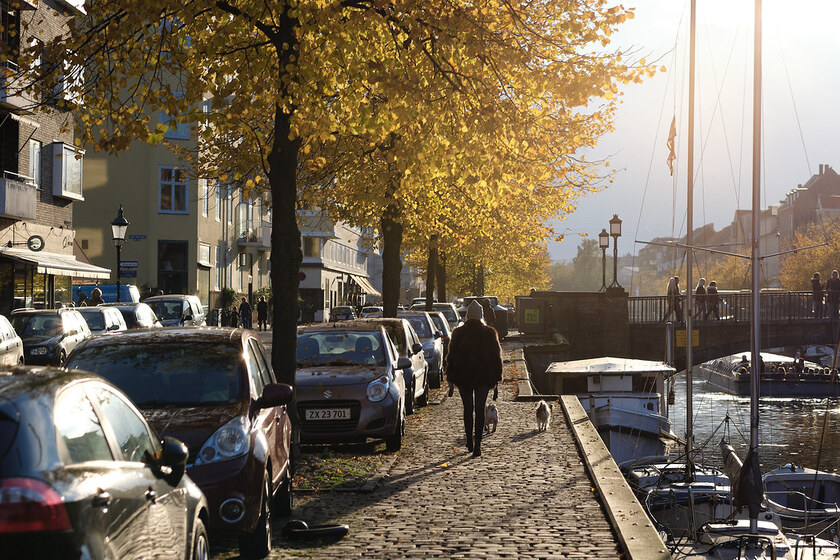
(821, 169)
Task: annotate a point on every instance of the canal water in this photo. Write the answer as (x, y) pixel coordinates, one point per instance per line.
(790, 430)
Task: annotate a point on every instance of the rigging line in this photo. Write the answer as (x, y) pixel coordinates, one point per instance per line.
(793, 101)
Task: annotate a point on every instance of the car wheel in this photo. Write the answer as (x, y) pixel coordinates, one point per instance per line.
(394, 442)
(434, 380)
(201, 546)
(409, 399)
(62, 357)
(424, 398)
(257, 543)
(283, 501)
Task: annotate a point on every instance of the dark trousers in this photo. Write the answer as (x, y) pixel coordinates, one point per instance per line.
(261, 322)
(474, 399)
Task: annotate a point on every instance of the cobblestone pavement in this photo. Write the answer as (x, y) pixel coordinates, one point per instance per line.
(527, 496)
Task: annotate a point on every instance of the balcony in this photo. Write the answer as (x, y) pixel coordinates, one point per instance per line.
(11, 96)
(260, 238)
(17, 196)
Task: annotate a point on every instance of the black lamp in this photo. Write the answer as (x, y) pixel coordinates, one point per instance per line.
(118, 228)
(615, 232)
(603, 243)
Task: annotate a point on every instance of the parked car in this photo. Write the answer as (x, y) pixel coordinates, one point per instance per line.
(350, 384)
(82, 475)
(136, 315)
(128, 292)
(448, 309)
(430, 337)
(408, 346)
(11, 346)
(214, 389)
(342, 313)
(103, 319)
(177, 310)
(442, 325)
(369, 310)
(49, 335)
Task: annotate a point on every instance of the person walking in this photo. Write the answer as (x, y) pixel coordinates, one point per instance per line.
(700, 292)
(673, 303)
(474, 365)
(81, 298)
(245, 313)
(832, 287)
(262, 314)
(95, 297)
(817, 295)
(712, 300)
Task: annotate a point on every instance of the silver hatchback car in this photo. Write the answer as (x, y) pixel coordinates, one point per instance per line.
(350, 384)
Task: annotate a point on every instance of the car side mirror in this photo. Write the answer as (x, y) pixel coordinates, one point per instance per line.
(403, 363)
(188, 316)
(438, 334)
(417, 347)
(114, 327)
(173, 458)
(275, 394)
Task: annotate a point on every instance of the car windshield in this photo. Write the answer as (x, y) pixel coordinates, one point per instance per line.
(94, 319)
(421, 326)
(449, 313)
(32, 324)
(171, 374)
(341, 348)
(167, 309)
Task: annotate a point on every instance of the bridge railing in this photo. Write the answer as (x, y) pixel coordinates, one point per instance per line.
(732, 306)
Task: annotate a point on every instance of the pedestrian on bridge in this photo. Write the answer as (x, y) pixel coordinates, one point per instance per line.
(833, 289)
(474, 365)
(674, 303)
(817, 295)
(712, 300)
(700, 291)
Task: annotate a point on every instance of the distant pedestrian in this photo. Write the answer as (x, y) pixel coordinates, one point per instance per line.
(700, 292)
(81, 298)
(673, 301)
(95, 297)
(489, 312)
(245, 313)
(474, 365)
(262, 314)
(817, 295)
(712, 300)
(832, 287)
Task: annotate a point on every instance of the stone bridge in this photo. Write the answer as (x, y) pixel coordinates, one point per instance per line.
(586, 325)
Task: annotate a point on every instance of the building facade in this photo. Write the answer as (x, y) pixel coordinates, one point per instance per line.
(42, 171)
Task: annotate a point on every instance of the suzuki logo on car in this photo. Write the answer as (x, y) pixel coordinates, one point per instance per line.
(327, 394)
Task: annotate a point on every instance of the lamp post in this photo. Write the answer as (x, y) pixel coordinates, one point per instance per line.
(118, 227)
(615, 232)
(603, 243)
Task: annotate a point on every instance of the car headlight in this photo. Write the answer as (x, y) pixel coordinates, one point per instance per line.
(378, 389)
(39, 351)
(228, 442)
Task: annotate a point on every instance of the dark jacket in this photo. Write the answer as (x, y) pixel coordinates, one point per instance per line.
(262, 310)
(475, 356)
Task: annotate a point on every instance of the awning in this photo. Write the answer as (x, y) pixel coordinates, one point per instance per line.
(366, 285)
(56, 263)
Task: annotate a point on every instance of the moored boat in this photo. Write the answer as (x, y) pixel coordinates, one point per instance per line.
(806, 500)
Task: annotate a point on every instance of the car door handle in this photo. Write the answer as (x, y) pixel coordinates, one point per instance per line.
(102, 499)
(151, 495)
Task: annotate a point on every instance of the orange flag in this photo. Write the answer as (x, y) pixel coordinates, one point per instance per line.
(671, 136)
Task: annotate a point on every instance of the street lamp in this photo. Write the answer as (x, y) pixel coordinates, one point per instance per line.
(603, 243)
(118, 227)
(615, 232)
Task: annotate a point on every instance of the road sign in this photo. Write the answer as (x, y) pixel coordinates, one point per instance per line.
(128, 264)
(136, 237)
(129, 273)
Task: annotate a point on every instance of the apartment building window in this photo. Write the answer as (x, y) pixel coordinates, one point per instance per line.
(312, 247)
(219, 267)
(35, 161)
(175, 130)
(67, 171)
(173, 191)
(229, 208)
(204, 192)
(218, 203)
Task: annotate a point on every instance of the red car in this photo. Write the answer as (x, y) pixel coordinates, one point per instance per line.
(214, 389)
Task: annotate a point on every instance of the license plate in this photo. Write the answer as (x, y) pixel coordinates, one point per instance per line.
(328, 414)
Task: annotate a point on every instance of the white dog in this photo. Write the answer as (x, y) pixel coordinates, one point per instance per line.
(491, 416)
(543, 415)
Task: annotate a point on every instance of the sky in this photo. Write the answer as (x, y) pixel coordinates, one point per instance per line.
(800, 119)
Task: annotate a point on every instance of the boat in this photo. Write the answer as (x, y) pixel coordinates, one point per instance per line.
(624, 399)
(806, 500)
(782, 376)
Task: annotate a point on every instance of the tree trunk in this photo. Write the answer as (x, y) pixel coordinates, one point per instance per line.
(431, 271)
(441, 276)
(392, 231)
(286, 254)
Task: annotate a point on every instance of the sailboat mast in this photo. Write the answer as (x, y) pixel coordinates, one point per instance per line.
(689, 241)
(755, 376)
